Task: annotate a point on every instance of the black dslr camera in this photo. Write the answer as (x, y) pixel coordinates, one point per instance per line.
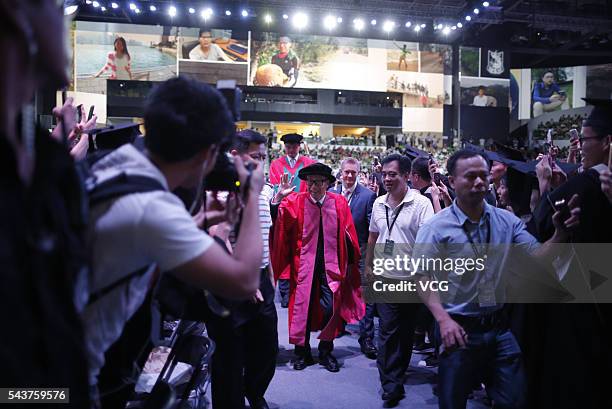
(224, 176)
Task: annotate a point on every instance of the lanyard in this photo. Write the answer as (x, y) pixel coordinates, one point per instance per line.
(348, 199)
(469, 237)
(394, 219)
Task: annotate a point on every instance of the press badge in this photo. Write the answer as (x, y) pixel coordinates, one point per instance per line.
(389, 247)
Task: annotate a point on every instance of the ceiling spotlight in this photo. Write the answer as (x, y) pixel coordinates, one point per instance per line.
(114, 5)
(70, 10)
(87, 1)
(468, 18)
(358, 24)
(373, 22)
(408, 24)
(300, 20)
(244, 13)
(485, 4)
(476, 11)
(446, 31)
(132, 6)
(101, 8)
(152, 8)
(191, 10)
(339, 20)
(388, 26)
(439, 27)
(329, 22)
(95, 4)
(172, 11)
(423, 25)
(268, 18)
(228, 13)
(285, 16)
(460, 24)
(417, 28)
(137, 10)
(206, 13)
(453, 27)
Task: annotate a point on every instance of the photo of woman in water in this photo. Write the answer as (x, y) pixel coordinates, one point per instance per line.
(118, 61)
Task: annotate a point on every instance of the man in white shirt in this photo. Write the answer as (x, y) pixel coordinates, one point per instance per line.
(396, 218)
(481, 99)
(153, 228)
(206, 50)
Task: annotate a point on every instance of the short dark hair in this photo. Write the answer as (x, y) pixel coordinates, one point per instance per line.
(420, 166)
(245, 138)
(405, 164)
(482, 87)
(204, 30)
(184, 116)
(451, 164)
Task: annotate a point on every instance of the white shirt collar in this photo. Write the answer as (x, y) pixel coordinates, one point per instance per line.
(319, 201)
(408, 197)
(296, 158)
(350, 190)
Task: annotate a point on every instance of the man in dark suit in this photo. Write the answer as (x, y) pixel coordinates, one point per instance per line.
(360, 200)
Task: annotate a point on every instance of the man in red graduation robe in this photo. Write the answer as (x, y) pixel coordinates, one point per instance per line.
(315, 246)
(291, 163)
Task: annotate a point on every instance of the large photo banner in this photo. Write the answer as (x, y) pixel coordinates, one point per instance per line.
(122, 52)
(308, 61)
(213, 54)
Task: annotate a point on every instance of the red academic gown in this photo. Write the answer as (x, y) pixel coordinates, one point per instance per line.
(280, 166)
(296, 233)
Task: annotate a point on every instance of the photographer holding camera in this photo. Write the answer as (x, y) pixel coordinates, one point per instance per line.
(185, 123)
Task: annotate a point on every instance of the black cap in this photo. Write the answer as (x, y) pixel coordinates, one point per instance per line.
(508, 152)
(317, 169)
(601, 115)
(292, 138)
(414, 153)
(114, 136)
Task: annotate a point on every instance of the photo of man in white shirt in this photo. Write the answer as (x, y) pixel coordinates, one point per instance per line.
(206, 50)
(481, 99)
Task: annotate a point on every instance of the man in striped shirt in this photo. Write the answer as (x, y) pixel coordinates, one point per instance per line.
(247, 341)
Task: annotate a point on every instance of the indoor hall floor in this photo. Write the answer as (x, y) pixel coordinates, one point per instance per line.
(356, 386)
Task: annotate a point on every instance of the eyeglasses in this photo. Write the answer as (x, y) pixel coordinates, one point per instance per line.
(317, 182)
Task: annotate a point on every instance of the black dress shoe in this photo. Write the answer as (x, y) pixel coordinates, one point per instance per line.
(259, 403)
(301, 362)
(391, 399)
(368, 348)
(329, 362)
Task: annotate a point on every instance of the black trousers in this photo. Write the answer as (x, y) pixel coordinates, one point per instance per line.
(283, 290)
(244, 361)
(326, 301)
(397, 322)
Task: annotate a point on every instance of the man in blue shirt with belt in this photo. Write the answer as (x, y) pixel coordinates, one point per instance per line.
(477, 342)
(547, 96)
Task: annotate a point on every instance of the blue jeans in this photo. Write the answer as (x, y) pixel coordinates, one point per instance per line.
(493, 356)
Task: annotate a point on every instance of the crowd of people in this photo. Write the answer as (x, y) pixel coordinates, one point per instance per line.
(184, 222)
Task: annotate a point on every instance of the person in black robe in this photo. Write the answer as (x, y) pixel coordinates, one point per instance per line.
(569, 344)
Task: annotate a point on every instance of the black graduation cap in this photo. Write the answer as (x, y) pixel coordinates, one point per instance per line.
(317, 169)
(601, 115)
(114, 136)
(508, 152)
(292, 138)
(489, 155)
(414, 153)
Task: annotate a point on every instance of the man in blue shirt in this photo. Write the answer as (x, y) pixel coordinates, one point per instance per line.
(477, 342)
(547, 96)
